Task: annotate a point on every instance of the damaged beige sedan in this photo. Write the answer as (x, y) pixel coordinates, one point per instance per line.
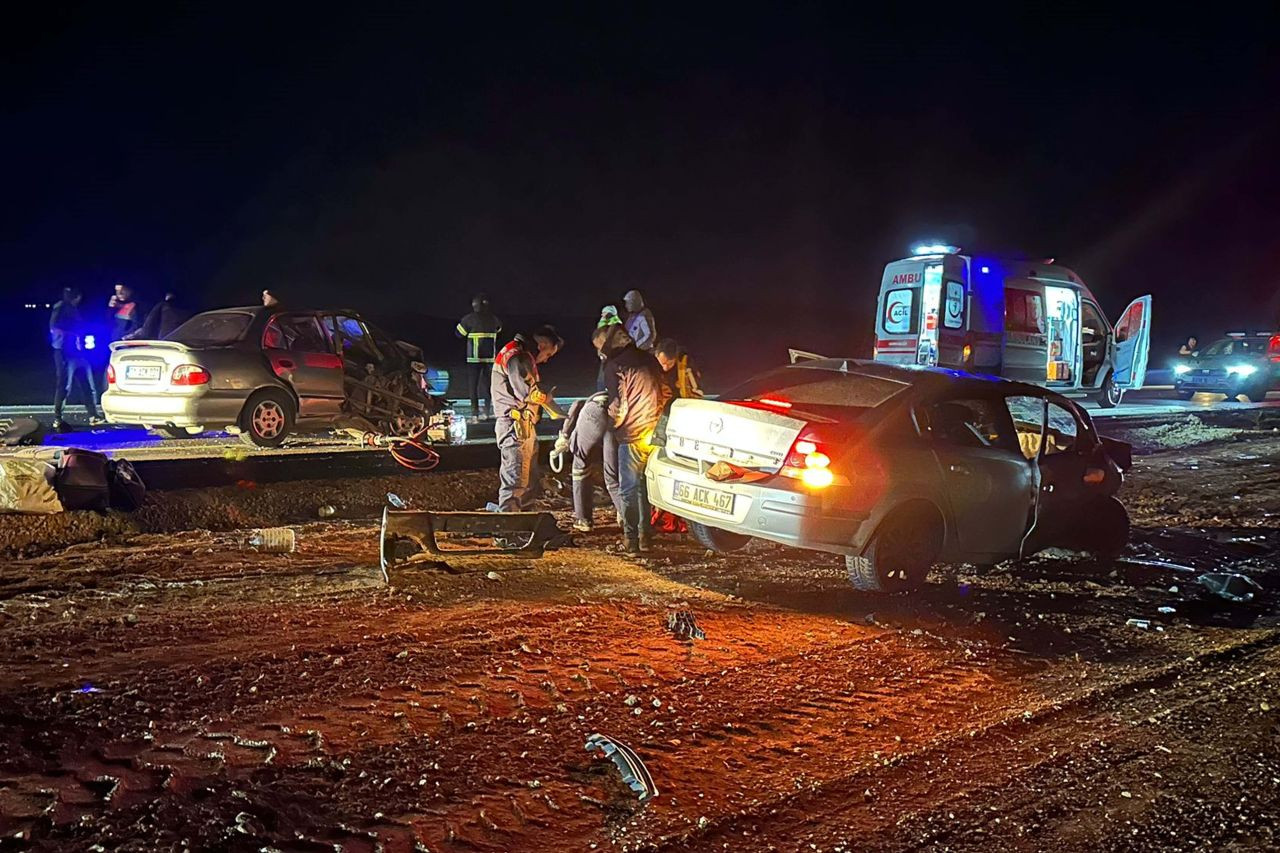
(895, 468)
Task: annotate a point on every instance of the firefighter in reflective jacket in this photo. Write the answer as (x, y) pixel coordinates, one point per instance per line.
(480, 330)
(519, 398)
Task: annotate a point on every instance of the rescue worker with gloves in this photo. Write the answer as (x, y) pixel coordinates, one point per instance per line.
(518, 397)
(480, 329)
(636, 397)
(587, 437)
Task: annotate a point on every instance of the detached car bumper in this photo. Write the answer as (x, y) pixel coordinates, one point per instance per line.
(775, 508)
(213, 409)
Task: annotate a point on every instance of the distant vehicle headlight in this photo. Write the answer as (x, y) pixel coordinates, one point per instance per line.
(1181, 369)
(1242, 370)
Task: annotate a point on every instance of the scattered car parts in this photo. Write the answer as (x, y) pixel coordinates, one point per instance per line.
(634, 773)
(684, 626)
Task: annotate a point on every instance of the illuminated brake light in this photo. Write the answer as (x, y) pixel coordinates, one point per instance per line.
(111, 374)
(804, 448)
(777, 404)
(189, 374)
(808, 464)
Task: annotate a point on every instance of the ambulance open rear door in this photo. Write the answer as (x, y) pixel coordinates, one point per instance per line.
(1132, 338)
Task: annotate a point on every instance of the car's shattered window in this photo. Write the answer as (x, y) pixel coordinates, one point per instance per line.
(213, 328)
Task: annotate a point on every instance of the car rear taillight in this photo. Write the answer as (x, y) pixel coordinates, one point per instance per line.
(807, 462)
(1273, 347)
(189, 374)
(111, 374)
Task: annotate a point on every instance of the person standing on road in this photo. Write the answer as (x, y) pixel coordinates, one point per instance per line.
(76, 352)
(519, 398)
(167, 315)
(639, 322)
(480, 329)
(64, 325)
(636, 397)
(126, 316)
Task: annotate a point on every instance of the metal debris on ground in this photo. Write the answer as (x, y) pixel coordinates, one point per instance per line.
(684, 626)
(327, 511)
(1230, 586)
(273, 540)
(1167, 611)
(634, 773)
(1143, 624)
(397, 501)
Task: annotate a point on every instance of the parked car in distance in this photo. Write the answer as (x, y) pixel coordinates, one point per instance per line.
(894, 467)
(265, 373)
(1239, 364)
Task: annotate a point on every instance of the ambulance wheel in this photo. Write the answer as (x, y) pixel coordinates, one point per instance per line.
(1111, 393)
(715, 539)
(267, 419)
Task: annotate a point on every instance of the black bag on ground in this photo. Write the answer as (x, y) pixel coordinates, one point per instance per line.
(126, 487)
(81, 481)
(18, 431)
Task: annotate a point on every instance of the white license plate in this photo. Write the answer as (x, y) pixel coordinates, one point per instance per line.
(703, 498)
(149, 373)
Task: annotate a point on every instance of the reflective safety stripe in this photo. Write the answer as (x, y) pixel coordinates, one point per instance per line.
(474, 342)
(462, 330)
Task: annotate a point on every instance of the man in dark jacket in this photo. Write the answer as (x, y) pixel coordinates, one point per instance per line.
(480, 329)
(518, 397)
(636, 397)
(126, 314)
(65, 326)
(161, 320)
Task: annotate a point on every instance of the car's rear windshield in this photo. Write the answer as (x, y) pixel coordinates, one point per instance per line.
(834, 394)
(1236, 346)
(213, 328)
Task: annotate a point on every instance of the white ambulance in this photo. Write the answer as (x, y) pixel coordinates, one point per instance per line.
(1033, 321)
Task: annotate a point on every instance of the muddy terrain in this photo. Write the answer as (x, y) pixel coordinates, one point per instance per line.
(164, 687)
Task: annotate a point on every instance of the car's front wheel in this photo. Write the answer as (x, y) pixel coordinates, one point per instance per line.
(715, 539)
(900, 555)
(267, 419)
(1185, 393)
(1257, 393)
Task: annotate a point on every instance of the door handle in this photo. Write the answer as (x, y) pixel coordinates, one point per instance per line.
(962, 470)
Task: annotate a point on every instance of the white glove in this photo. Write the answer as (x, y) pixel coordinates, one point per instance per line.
(562, 444)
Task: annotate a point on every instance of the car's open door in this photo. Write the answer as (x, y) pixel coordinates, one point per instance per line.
(1132, 344)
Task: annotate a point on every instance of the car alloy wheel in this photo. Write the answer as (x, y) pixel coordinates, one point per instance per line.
(268, 419)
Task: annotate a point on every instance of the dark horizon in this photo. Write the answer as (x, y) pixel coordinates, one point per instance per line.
(747, 172)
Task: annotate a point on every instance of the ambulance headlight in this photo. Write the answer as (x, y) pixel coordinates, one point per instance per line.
(1181, 369)
(1242, 370)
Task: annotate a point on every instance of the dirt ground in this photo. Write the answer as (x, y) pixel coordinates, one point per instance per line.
(162, 687)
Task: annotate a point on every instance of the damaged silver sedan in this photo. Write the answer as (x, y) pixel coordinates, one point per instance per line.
(896, 468)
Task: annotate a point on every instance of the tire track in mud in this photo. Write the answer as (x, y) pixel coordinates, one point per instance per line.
(979, 763)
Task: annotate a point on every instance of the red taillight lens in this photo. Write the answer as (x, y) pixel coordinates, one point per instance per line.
(807, 462)
(111, 374)
(189, 374)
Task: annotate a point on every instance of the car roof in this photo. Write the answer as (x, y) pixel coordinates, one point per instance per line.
(921, 377)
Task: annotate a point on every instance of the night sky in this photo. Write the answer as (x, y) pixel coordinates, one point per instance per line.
(752, 168)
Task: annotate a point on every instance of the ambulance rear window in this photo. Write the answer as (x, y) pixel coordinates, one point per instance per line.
(1023, 311)
(899, 316)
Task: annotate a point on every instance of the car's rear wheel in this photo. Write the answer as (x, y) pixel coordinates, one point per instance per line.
(900, 555)
(1108, 528)
(267, 419)
(1111, 394)
(715, 539)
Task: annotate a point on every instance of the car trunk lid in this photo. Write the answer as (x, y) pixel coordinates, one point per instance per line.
(147, 366)
(753, 435)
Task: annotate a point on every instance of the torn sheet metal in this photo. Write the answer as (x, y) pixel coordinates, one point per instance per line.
(634, 773)
(1230, 586)
(683, 625)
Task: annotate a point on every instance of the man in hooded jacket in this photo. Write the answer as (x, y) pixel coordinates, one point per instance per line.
(636, 397)
(480, 330)
(639, 323)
